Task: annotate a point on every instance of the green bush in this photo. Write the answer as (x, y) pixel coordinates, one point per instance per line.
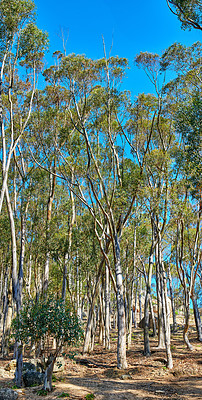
(48, 317)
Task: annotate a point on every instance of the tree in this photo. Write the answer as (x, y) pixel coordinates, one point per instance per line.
(44, 319)
(21, 44)
(188, 123)
(189, 12)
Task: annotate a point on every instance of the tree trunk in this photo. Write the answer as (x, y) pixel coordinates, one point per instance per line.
(101, 320)
(161, 341)
(7, 319)
(78, 297)
(135, 311)
(86, 346)
(48, 220)
(67, 258)
(186, 325)
(130, 305)
(140, 298)
(165, 305)
(48, 374)
(197, 318)
(107, 308)
(172, 300)
(153, 317)
(29, 276)
(147, 351)
(121, 345)
(19, 364)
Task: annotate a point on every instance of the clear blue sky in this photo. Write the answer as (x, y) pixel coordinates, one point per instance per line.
(134, 26)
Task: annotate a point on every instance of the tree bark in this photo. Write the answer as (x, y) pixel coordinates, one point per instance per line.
(107, 308)
(52, 178)
(165, 305)
(86, 346)
(197, 318)
(147, 351)
(121, 345)
(172, 299)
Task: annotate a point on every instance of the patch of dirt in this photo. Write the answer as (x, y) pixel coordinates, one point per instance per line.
(145, 378)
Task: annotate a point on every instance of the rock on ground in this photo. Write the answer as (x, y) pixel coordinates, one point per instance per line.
(8, 394)
(33, 378)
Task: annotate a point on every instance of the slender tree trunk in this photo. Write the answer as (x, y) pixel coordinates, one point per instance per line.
(165, 305)
(17, 286)
(197, 318)
(86, 346)
(7, 317)
(67, 258)
(29, 276)
(187, 288)
(101, 320)
(147, 351)
(135, 311)
(65, 274)
(187, 317)
(107, 308)
(161, 341)
(153, 317)
(48, 220)
(78, 302)
(121, 345)
(140, 298)
(130, 321)
(172, 299)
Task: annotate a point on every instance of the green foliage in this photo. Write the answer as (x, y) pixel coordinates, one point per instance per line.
(62, 395)
(42, 392)
(50, 317)
(90, 396)
(13, 15)
(33, 43)
(186, 62)
(189, 12)
(189, 125)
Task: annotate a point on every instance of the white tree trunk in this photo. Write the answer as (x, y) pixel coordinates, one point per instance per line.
(121, 345)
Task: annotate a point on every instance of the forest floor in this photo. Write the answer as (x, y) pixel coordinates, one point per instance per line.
(95, 376)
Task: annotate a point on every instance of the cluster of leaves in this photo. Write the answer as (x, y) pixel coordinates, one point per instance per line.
(188, 123)
(47, 317)
(189, 12)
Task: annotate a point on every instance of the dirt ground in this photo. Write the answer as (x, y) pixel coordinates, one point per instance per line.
(146, 378)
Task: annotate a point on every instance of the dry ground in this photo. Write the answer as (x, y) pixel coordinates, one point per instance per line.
(145, 378)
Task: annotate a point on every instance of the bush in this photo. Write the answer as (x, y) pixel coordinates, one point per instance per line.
(47, 318)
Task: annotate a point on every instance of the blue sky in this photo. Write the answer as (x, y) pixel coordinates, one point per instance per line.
(133, 26)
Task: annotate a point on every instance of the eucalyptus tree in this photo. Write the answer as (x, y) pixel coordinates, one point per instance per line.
(188, 125)
(155, 134)
(188, 12)
(22, 45)
(185, 89)
(187, 250)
